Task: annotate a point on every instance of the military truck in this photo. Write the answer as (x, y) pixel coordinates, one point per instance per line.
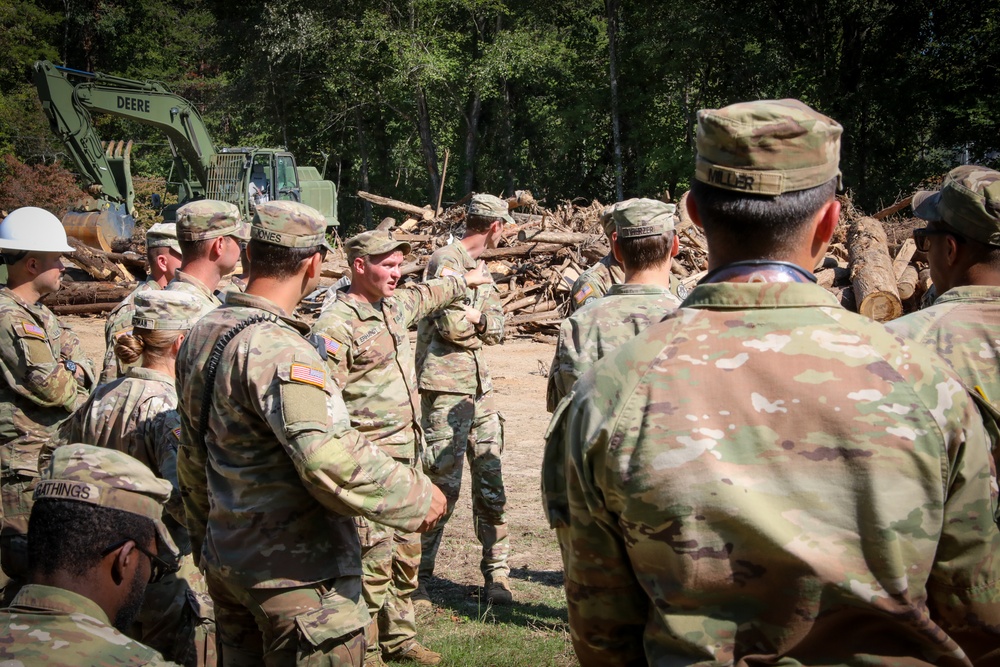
(245, 176)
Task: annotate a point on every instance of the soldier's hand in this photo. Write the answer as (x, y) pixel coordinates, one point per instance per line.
(473, 315)
(438, 505)
(478, 276)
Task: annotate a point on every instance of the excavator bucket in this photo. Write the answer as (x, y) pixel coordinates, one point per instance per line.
(99, 222)
(100, 228)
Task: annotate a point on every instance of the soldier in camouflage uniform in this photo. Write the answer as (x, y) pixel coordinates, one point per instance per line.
(271, 472)
(210, 234)
(962, 243)
(45, 373)
(764, 477)
(163, 255)
(364, 329)
(459, 417)
(644, 243)
(598, 280)
(137, 414)
(95, 539)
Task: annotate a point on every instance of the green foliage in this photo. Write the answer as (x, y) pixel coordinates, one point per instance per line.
(519, 91)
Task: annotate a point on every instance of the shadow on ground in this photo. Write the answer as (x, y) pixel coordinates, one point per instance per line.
(470, 602)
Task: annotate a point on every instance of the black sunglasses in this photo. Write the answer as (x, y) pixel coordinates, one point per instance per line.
(922, 237)
(158, 568)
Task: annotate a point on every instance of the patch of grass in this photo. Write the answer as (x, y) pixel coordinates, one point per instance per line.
(468, 631)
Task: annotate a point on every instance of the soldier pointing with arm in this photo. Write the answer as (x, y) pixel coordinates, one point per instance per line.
(364, 331)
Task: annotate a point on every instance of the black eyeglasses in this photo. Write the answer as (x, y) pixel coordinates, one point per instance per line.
(158, 568)
(922, 237)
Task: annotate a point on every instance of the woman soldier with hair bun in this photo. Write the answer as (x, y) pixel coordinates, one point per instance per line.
(137, 414)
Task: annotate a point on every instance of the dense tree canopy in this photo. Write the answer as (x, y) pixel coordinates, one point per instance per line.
(519, 93)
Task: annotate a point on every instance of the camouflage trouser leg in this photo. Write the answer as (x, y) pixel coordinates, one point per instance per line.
(397, 621)
(458, 426)
(321, 624)
(16, 497)
(177, 618)
(387, 587)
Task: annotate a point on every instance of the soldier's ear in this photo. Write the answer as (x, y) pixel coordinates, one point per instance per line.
(692, 210)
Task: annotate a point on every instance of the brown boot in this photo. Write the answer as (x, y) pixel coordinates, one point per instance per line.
(374, 660)
(420, 599)
(417, 653)
(498, 591)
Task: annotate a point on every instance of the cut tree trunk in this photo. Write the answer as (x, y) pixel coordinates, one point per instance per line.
(96, 263)
(521, 250)
(88, 293)
(423, 213)
(562, 238)
(872, 274)
(85, 308)
(907, 282)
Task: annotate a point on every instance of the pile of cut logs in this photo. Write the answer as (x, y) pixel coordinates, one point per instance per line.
(871, 266)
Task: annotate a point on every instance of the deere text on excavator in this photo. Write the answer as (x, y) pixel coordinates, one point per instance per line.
(245, 176)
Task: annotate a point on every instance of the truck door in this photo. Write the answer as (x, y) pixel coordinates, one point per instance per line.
(286, 178)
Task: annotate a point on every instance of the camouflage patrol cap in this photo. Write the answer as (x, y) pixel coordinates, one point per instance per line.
(767, 147)
(968, 202)
(163, 235)
(166, 310)
(375, 242)
(289, 224)
(108, 478)
(489, 206)
(636, 218)
(208, 219)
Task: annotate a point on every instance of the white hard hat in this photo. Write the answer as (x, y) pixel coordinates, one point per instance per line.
(32, 228)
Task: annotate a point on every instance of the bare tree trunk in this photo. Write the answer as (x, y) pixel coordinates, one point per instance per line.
(471, 141)
(508, 138)
(363, 150)
(612, 7)
(427, 144)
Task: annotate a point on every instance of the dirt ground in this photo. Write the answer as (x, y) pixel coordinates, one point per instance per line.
(518, 368)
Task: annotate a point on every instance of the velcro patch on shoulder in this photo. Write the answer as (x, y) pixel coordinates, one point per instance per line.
(582, 294)
(32, 329)
(307, 375)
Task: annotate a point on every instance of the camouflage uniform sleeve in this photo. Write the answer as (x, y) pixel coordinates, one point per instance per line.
(583, 292)
(339, 467)
(607, 607)
(192, 480)
(964, 587)
(30, 368)
(163, 435)
(493, 334)
(71, 348)
(451, 322)
(418, 301)
(561, 373)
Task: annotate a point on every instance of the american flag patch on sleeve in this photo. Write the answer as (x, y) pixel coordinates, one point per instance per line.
(177, 432)
(446, 271)
(332, 346)
(583, 293)
(31, 329)
(307, 375)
